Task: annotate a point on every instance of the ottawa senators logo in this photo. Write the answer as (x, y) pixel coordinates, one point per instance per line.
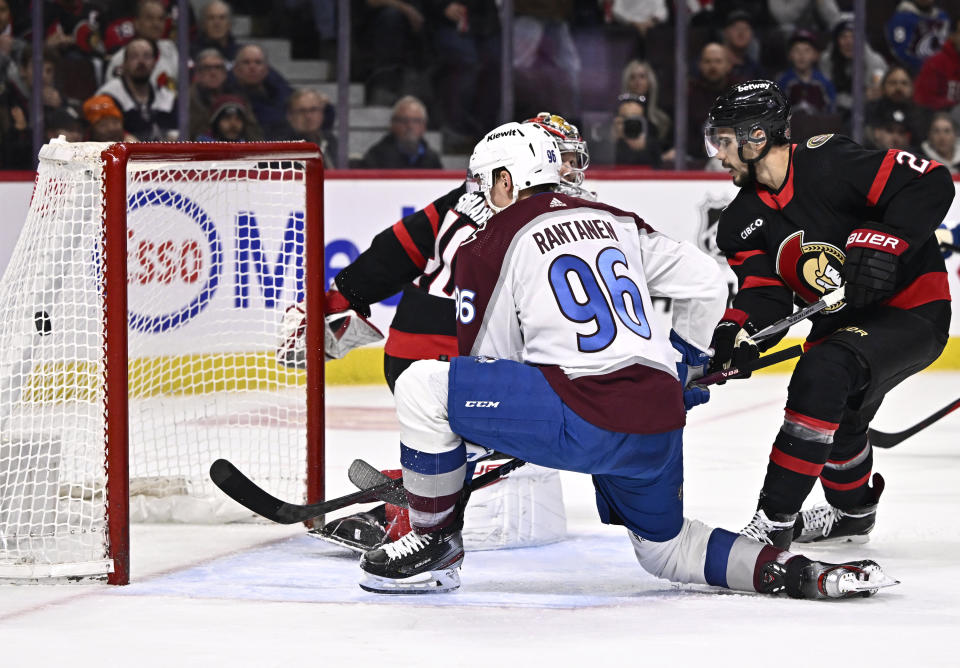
(810, 269)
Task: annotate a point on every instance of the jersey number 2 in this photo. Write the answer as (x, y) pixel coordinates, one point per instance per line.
(593, 305)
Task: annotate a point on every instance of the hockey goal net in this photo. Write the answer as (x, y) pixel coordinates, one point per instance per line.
(139, 324)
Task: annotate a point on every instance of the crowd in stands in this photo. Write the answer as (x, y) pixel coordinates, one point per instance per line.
(111, 69)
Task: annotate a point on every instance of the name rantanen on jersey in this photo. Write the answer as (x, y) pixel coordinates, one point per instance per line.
(558, 234)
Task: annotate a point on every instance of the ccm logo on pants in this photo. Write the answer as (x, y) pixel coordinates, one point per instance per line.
(482, 404)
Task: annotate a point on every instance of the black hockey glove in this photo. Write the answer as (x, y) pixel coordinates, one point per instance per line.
(870, 276)
(732, 346)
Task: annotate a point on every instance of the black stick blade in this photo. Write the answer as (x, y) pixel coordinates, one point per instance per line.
(247, 493)
(879, 439)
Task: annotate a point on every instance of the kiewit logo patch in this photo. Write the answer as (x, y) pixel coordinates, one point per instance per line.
(555, 202)
(481, 404)
(505, 133)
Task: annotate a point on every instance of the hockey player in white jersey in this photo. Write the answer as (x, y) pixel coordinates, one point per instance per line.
(561, 366)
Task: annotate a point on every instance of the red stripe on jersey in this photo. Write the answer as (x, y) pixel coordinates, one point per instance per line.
(880, 180)
(809, 422)
(924, 289)
(736, 315)
(780, 199)
(408, 346)
(843, 486)
(791, 463)
(403, 236)
(743, 256)
(760, 282)
(433, 217)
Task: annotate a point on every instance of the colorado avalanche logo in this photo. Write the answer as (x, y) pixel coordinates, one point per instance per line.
(810, 269)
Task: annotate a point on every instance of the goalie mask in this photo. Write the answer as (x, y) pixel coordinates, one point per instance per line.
(569, 140)
(527, 151)
(755, 111)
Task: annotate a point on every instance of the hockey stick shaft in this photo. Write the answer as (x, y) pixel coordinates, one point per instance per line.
(879, 439)
(950, 247)
(756, 365)
(784, 324)
(247, 493)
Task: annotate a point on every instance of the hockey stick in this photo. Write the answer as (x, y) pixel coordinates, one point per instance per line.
(828, 300)
(755, 365)
(879, 439)
(247, 493)
(950, 247)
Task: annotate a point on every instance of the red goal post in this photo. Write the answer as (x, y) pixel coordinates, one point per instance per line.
(120, 334)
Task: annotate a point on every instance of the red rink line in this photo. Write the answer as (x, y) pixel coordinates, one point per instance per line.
(362, 418)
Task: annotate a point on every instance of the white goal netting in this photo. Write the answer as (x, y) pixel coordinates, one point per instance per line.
(214, 254)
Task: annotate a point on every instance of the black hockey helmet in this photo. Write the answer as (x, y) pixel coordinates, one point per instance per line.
(747, 107)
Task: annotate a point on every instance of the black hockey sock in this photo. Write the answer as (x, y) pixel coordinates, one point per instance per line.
(846, 480)
(795, 464)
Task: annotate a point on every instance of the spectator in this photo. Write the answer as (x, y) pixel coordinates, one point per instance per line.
(151, 23)
(889, 128)
(105, 119)
(916, 31)
(545, 59)
(743, 48)
(803, 84)
(896, 92)
(942, 143)
(466, 38)
(149, 112)
(639, 16)
(937, 87)
(714, 77)
(634, 134)
(837, 64)
(215, 30)
(404, 146)
(67, 122)
(392, 31)
(793, 15)
(264, 87)
(305, 115)
(639, 79)
(11, 46)
(230, 120)
(209, 82)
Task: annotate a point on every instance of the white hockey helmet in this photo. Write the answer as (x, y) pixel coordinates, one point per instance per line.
(527, 151)
(569, 140)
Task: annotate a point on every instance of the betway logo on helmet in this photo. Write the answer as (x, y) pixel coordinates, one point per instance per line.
(505, 133)
(743, 88)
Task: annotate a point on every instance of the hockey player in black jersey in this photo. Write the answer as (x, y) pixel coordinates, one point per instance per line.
(808, 219)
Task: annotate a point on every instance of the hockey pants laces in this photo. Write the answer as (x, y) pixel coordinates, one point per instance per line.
(407, 544)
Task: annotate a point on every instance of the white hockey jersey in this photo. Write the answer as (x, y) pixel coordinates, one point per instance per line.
(565, 284)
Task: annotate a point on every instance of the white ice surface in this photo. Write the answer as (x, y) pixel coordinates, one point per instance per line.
(261, 595)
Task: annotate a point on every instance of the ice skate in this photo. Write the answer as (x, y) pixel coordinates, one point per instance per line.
(829, 524)
(775, 529)
(415, 564)
(359, 532)
(816, 580)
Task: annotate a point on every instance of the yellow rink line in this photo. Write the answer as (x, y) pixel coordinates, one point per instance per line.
(364, 366)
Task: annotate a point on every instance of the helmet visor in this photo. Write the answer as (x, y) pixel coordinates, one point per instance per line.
(716, 139)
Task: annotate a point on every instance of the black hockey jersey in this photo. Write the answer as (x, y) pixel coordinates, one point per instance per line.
(789, 246)
(415, 256)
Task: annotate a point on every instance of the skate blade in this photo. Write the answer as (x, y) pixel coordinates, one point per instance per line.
(874, 582)
(840, 540)
(356, 548)
(431, 582)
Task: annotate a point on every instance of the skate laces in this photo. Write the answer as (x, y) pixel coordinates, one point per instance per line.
(820, 518)
(761, 526)
(406, 544)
